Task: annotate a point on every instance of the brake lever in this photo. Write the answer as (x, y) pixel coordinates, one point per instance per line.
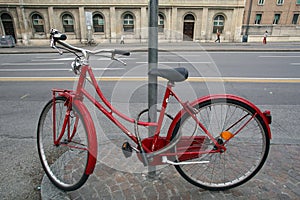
(117, 59)
(59, 51)
(52, 44)
(121, 61)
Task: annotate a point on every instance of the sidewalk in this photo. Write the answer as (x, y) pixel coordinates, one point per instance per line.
(274, 181)
(179, 46)
(117, 177)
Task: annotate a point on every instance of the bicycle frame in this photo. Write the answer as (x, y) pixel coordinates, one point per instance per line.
(155, 147)
(152, 145)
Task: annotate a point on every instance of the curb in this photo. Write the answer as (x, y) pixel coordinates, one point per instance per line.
(182, 46)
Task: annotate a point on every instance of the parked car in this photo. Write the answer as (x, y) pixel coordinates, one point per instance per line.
(7, 41)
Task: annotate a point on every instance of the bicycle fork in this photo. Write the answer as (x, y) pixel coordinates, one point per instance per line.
(69, 114)
(58, 134)
(69, 129)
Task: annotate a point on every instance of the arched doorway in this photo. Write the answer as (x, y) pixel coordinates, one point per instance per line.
(188, 27)
(7, 24)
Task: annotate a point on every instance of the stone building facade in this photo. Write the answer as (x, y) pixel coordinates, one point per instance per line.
(279, 17)
(107, 21)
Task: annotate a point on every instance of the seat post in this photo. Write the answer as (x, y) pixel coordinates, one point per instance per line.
(171, 83)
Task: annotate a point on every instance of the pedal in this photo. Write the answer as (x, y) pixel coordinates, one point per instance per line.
(127, 149)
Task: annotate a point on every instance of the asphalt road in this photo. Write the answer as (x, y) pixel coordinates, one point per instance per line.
(270, 80)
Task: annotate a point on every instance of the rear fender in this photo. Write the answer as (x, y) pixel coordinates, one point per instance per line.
(266, 116)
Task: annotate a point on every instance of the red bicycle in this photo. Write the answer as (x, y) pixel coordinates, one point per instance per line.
(215, 142)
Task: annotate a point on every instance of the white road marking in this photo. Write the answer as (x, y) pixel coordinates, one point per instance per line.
(144, 78)
(30, 63)
(55, 69)
(179, 62)
(279, 56)
(66, 59)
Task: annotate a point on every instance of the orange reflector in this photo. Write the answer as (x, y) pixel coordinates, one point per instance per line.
(226, 135)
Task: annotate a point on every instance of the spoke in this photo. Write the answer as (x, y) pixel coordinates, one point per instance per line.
(244, 152)
(64, 163)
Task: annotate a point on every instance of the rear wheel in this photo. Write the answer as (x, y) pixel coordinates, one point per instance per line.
(64, 163)
(245, 153)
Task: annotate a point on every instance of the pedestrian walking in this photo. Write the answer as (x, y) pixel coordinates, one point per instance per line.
(218, 36)
(122, 39)
(265, 37)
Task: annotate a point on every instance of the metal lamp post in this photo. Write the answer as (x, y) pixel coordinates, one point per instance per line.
(152, 64)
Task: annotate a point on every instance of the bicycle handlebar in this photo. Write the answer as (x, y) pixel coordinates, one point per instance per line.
(58, 37)
(121, 52)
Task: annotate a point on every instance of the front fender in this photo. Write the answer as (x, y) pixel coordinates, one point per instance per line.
(265, 116)
(92, 137)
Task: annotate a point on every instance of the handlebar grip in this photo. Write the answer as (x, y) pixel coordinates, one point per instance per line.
(121, 52)
(60, 36)
(56, 35)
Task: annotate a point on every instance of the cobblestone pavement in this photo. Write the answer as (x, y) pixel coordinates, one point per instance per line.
(279, 179)
(115, 178)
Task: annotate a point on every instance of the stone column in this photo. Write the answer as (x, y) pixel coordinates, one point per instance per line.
(204, 22)
(82, 25)
(50, 18)
(25, 32)
(197, 27)
(168, 22)
(237, 21)
(144, 25)
(113, 34)
(174, 22)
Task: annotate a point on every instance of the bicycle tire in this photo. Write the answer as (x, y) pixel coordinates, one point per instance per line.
(65, 164)
(245, 153)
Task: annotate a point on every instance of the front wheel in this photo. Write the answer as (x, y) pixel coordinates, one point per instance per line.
(64, 162)
(245, 152)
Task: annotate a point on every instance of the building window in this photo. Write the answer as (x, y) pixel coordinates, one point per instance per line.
(98, 23)
(189, 17)
(295, 19)
(261, 2)
(161, 23)
(257, 18)
(68, 23)
(219, 22)
(38, 23)
(280, 2)
(128, 23)
(276, 18)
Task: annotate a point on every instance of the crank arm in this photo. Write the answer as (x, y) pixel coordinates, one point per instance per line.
(165, 160)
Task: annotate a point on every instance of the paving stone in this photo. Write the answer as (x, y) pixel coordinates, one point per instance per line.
(279, 179)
